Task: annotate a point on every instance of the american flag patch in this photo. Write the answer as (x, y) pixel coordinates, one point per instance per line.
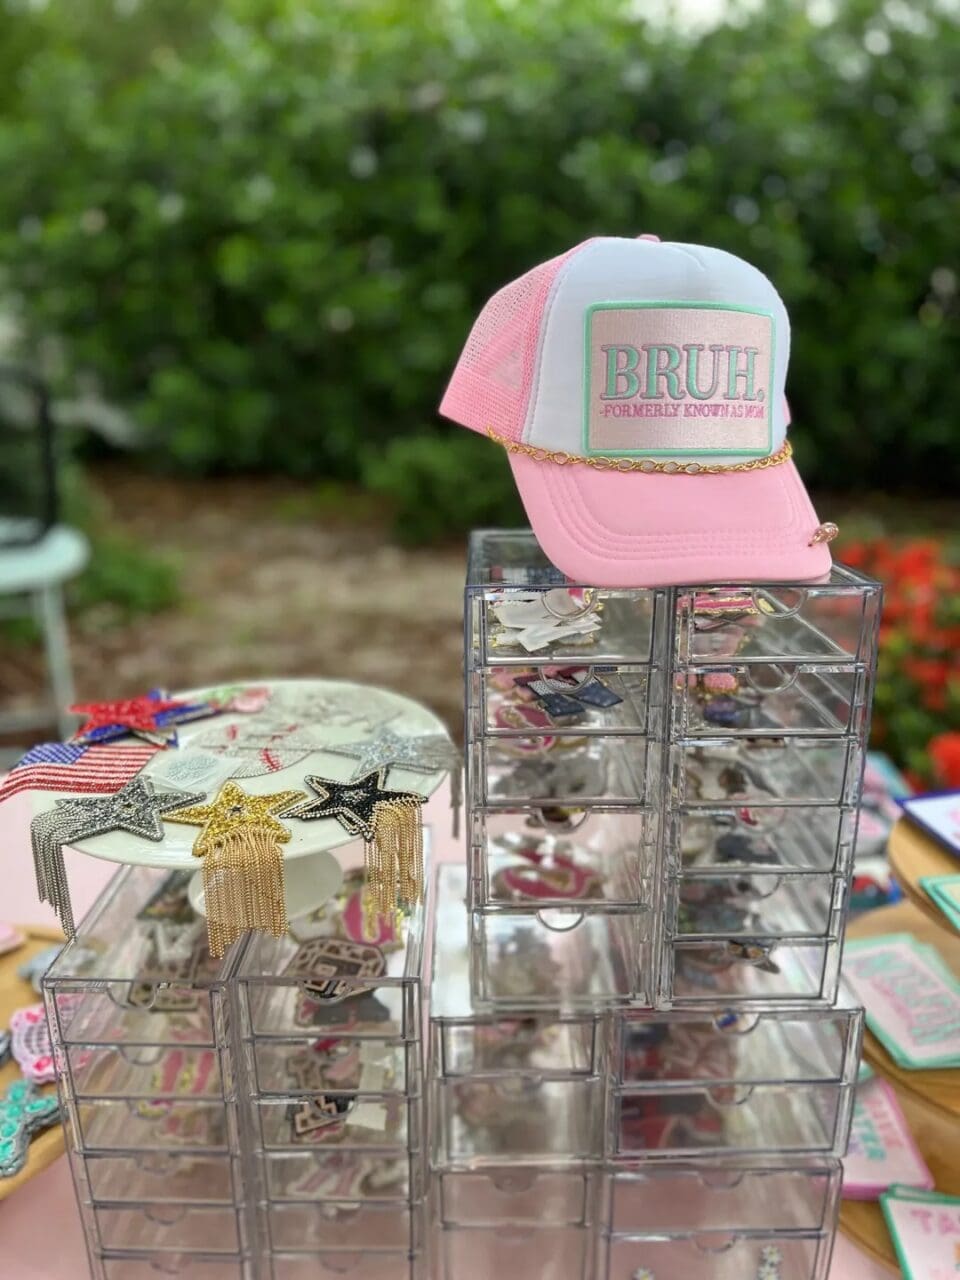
(76, 767)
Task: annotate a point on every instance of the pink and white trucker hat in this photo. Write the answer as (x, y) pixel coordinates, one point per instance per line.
(638, 387)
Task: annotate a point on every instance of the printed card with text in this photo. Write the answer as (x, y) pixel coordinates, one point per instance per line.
(938, 814)
(925, 1228)
(912, 1001)
(945, 892)
(882, 1151)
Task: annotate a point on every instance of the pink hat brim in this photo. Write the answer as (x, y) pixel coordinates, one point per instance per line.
(627, 529)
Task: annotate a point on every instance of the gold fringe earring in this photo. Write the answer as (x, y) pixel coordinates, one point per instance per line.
(393, 859)
(242, 862)
(391, 824)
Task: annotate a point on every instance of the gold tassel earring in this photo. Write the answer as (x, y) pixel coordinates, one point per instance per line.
(242, 862)
(391, 824)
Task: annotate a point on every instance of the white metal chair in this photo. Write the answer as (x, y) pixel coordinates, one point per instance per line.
(32, 577)
(37, 554)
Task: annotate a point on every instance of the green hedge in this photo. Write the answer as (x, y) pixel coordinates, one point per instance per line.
(265, 228)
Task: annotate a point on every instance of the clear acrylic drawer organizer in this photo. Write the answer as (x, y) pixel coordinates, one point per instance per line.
(142, 1030)
(624, 853)
(179, 1100)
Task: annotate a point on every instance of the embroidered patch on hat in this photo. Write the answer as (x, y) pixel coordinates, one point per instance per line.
(672, 378)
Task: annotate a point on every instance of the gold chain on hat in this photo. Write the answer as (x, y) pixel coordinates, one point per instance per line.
(647, 465)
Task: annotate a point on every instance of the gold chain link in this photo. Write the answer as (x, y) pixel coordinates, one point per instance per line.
(647, 465)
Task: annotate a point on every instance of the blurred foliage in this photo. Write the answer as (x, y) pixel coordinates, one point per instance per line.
(264, 227)
(124, 576)
(437, 484)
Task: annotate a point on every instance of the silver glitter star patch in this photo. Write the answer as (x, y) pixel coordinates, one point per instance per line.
(136, 808)
(426, 753)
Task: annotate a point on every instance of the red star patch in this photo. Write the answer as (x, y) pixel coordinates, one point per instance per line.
(136, 715)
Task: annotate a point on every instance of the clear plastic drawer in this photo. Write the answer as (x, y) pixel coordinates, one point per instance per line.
(345, 1120)
(529, 858)
(541, 770)
(533, 1195)
(757, 905)
(657, 1199)
(168, 1227)
(722, 1047)
(159, 1177)
(299, 1067)
(512, 587)
(157, 1124)
(767, 771)
(833, 620)
(476, 1044)
(278, 998)
(748, 838)
(323, 1171)
(770, 699)
(331, 1224)
(683, 1120)
(579, 960)
(549, 1253)
(139, 971)
(518, 1118)
(572, 702)
(143, 1012)
(754, 972)
(719, 1256)
(143, 1071)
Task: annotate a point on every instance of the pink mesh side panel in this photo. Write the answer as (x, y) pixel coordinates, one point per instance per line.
(490, 387)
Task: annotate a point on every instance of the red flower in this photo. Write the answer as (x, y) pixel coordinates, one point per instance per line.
(934, 699)
(945, 754)
(928, 671)
(855, 554)
(918, 559)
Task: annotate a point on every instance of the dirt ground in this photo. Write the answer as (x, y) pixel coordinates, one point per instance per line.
(269, 587)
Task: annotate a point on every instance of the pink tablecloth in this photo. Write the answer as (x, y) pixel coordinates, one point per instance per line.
(40, 1235)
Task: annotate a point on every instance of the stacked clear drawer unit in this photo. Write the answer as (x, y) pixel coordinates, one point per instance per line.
(142, 1036)
(565, 729)
(574, 1145)
(332, 1056)
(693, 841)
(641, 1065)
(735, 1220)
(772, 687)
(516, 1110)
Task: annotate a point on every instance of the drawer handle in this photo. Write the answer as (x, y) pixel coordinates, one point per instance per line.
(747, 885)
(172, 1266)
(166, 1216)
(158, 1165)
(340, 1264)
(787, 678)
(560, 921)
(514, 1235)
(590, 603)
(145, 1055)
(720, 1181)
(121, 993)
(738, 1025)
(711, 1244)
(760, 817)
(513, 1183)
(775, 606)
(737, 1095)
(569, 684)
(572, 820)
